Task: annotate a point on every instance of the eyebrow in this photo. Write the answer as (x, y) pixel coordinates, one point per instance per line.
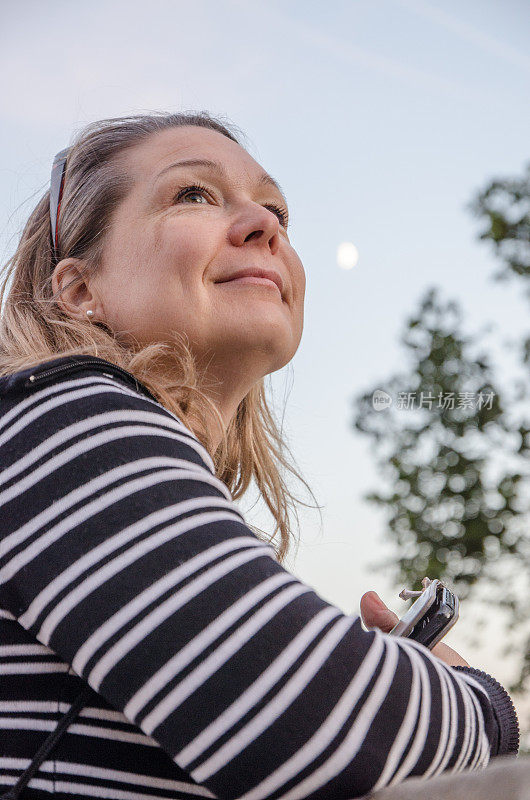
(215, 166)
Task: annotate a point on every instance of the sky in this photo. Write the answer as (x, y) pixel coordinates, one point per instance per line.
(380, 119)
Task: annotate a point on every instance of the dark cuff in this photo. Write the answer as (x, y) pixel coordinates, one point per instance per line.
(503, 709)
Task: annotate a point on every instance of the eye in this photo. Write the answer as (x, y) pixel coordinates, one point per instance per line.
(281, 213)
(190, 190)
(201, 190)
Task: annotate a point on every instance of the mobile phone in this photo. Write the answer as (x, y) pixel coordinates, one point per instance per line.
(430, 616)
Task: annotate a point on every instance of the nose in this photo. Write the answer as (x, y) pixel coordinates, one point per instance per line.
(256, 223)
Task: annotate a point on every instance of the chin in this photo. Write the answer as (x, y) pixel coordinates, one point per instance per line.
(271, 352)
(266, 334)
(280, 356)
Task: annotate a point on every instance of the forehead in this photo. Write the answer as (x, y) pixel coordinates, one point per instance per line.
(147, 159)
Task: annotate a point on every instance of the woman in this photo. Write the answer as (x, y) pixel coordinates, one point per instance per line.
(133, 355)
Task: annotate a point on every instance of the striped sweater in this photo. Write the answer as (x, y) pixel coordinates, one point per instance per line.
(214, 671)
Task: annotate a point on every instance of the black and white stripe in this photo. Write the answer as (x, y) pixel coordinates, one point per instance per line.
(125, 563)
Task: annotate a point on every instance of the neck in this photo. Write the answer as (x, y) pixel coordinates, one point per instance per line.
(225, 385)
(226, 395)
(225, 375)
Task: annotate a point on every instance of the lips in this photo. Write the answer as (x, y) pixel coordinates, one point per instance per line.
(270, 274)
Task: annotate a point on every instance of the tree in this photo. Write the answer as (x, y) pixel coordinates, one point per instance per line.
(504, 204)
(453, 447)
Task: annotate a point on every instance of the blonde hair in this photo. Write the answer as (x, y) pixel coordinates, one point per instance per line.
(34, 328)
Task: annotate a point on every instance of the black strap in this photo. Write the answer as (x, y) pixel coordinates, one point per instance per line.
(46, 747)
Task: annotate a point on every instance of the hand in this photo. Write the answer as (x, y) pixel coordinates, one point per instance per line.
(375, 614)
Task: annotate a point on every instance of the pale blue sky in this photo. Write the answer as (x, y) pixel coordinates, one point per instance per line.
(379, 118)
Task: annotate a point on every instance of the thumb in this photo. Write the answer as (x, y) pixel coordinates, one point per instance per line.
(375, 614)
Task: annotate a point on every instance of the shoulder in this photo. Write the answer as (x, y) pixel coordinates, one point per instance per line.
(58, 369)
(45, 399)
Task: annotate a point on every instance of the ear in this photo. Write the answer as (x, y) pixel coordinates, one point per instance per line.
(74, 295)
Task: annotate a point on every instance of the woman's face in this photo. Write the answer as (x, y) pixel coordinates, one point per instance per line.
(169, 253)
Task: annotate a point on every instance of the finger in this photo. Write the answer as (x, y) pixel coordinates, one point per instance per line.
(375, 614)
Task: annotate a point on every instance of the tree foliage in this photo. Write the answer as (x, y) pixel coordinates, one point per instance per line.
(453, 446)
(504, 205)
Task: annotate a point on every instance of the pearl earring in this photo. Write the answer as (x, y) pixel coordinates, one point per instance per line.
(89, 312)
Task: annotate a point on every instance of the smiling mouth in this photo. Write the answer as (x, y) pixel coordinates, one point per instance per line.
(252, 279)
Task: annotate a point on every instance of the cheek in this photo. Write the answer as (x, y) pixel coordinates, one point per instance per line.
(161, 259)
(182, 249)
(299, 280)
(303, 285)
(130, 280)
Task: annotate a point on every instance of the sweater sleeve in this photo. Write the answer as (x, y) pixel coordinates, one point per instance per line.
(504, 712)
(123, 552)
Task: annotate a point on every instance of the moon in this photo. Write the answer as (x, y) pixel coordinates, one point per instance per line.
(347, 255)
